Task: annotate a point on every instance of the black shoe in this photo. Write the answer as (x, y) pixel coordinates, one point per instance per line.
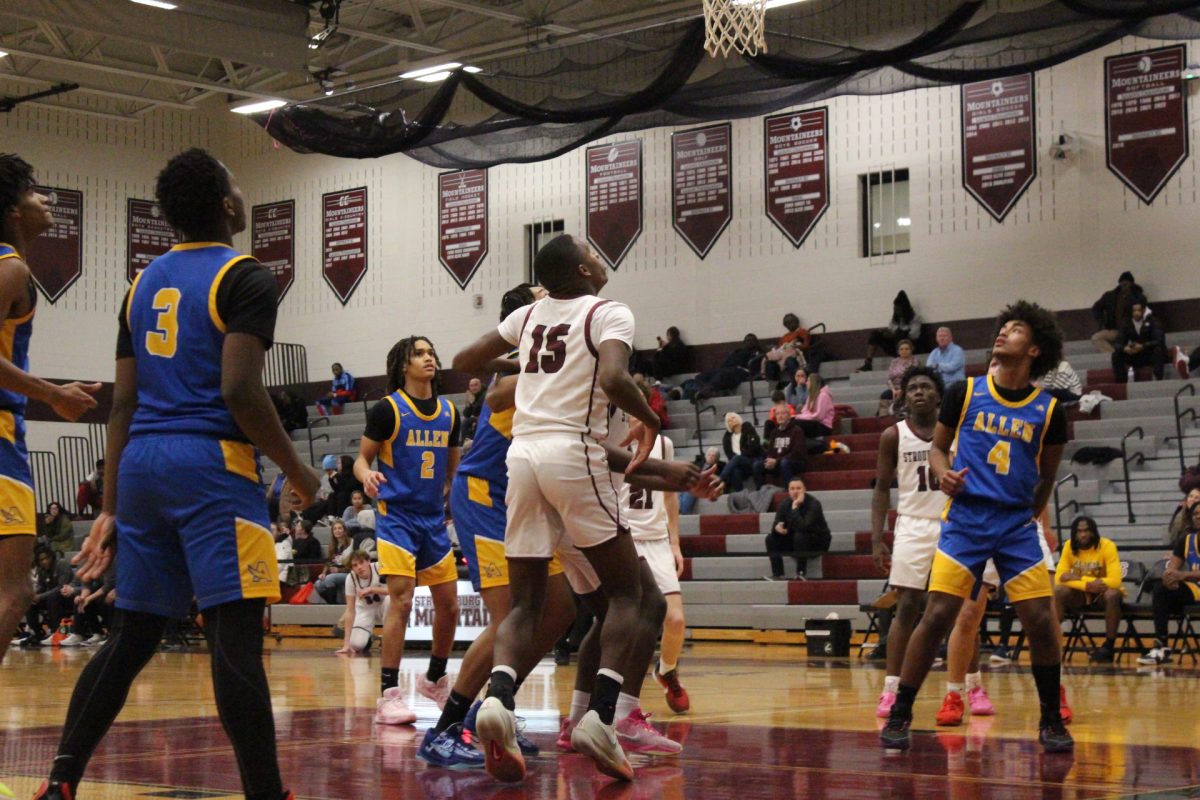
(54, 791)
(562, 655)
(878, 654)
(896, 735)
(1104, 654)
(1054, 737)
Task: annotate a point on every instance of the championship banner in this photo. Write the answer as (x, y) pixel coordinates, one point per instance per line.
(344, 240)
(462, 222)
(147, 235)
(273, 242)
(701, 192)
(999, 141)
(614, 198)
(796, 171)
(1145, 119)
(55, 258)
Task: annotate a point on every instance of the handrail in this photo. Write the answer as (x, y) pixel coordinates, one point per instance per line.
(1125, 459)
(312, 423)
(753, 403)
(1190, 388)
(1060, 507)
(699, 429)
(367, 395)
(813, 328)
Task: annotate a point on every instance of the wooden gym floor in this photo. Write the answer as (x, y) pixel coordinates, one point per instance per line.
(766, 723)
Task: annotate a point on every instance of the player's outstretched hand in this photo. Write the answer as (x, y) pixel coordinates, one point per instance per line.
(98, 548)
(304, 486)
(681, 475)
(346, 650)
(709, 486)
(953, 480)
(882, 555)
(72, 400)
(371, 483)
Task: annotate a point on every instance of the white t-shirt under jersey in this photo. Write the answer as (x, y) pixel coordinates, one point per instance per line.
(644, 510)
(919, 497)
(558, 342)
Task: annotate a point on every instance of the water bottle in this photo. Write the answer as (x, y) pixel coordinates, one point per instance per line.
(1129, 375)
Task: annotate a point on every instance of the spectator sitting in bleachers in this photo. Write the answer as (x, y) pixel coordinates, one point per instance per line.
(672, 356)
(1141, 343)
(91, 491)
(291, 409)
(785, 453)
(342, 486)
(817, 413)
(358, 501)
(741, 445)
(472, 406)
(790, 353)
(948, 358)
(1180, 587)
(1182, 518)
(1113, 310)
(331, 584)
(364, 534)
(52, 597)
(54, 529)
(904, 324)
(778, 402)
(93, 610)
(736, 368)
(1062, 382)
(1089, 576)
(797, 391)
(891, 400)
(326, 500)
(283, 552)
(799, 530)
(658, 403)
(341, 389)
(709, 459)
(306, 550)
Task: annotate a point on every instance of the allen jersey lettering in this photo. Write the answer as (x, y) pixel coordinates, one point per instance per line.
(919, 495)
(1000, 442)
(557, 342)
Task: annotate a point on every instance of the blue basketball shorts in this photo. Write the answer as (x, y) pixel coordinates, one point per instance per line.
(974, 531)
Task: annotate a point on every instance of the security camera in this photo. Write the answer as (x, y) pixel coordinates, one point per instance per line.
(1063, 147)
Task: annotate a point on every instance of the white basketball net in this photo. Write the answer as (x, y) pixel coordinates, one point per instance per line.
(734, 25)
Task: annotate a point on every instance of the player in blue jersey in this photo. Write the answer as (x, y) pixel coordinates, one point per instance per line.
(25, 217)
(416, 438)
(182, 484)
(1008, 437)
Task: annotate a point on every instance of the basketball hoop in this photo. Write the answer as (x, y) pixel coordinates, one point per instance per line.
(734, 25)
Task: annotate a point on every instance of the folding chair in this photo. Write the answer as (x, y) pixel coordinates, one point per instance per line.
(1079, 637)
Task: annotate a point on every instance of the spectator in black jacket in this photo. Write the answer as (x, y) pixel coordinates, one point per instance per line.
(53, 598)
(737, 367)
(742, 446)
(1141, 343)
(800, 530)
(785, 454)
(672, 356)
(306, 550)
(1113, 310)
(291, 409)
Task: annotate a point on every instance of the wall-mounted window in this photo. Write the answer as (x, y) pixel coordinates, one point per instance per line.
(538, 234)
(883, 198)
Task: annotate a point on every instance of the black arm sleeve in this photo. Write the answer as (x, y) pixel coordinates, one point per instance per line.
(952, 404)
(456, 431)
(124, 337)
(1180, 550)
(246, 301)
(381, 421)
(1056, 430)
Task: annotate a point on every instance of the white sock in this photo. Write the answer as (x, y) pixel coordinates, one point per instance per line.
(974, 680)
(579, 705)
(664, 667)
(625, 704)
(891, 683)
(954, 687)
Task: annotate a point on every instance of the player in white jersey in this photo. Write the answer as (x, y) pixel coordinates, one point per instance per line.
(574, 350)
(367, 604)
(904, 457)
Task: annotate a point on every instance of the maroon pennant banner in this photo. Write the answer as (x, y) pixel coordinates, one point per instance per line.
(796, 171)
(344, 239)
(614, 197)
(147, 235)
(462, 222)
(701, 191)
(273, 242)
(1145, 120)
(999, 141)
(55, 258)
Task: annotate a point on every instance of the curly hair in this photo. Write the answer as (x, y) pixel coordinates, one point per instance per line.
(1043, 329)
(16, 178)
(517, 297)
(1076, 523)
(398, 358)
(928, 372)
(190, 189)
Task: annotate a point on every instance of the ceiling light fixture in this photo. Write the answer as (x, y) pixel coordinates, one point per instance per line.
(3, 53)
(418, 74)
(258, 106)
(156, 4)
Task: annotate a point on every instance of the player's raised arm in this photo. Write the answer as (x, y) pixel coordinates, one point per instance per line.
(479, 355)
(615, 380)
